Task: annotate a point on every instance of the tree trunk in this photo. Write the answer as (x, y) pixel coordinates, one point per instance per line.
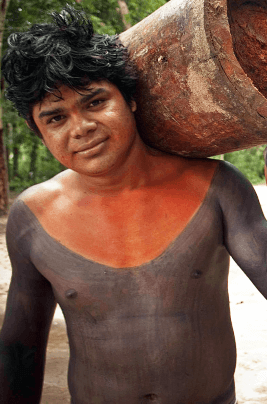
(15, 162)
(3, 177)
(9, 131)
(33, 157)
(124, 12)
(7, 159)
(3, 169)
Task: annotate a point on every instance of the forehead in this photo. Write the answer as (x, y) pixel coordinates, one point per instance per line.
(63, 93)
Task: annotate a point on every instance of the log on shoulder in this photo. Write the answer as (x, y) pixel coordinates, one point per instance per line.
(202, 76)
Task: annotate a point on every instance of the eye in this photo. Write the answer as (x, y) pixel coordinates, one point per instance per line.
(95, 103)
(56, 118)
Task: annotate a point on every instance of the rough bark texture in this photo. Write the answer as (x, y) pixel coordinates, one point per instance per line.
(3, 168)
(248, 24)
(195, 97)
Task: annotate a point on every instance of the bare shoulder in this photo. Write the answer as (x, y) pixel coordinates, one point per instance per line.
(197, 175)
(41, 196)
(185, 165)
(204, 167)
(184, 173)
(192, 169)
(231, 184)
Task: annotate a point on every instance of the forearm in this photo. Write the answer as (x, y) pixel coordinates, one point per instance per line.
(21, 374)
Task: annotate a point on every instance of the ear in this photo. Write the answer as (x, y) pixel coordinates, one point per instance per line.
(133, 106)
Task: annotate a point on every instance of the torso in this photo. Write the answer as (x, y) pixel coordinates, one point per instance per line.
(127, 229)
(142, 282)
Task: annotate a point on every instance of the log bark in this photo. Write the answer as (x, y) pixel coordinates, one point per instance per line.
(197, 95)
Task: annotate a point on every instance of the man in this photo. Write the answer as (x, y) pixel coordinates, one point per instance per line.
(131, 242)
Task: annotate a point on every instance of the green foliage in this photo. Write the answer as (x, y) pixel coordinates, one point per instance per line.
(20, 16)
(17, 135)
(104, 14)
(141, 9)
(46, 167)
(250, 162)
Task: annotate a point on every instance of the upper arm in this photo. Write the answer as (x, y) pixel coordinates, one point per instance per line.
(245, 227)
(31, 303)
(29, 312)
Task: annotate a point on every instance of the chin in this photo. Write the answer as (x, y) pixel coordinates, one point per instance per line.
(95, 170)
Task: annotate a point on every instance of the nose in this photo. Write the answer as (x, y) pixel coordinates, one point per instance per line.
(82, 126)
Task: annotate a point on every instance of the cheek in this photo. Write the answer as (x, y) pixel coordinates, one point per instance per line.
(121, 125)
(120, 113)
(58, 151)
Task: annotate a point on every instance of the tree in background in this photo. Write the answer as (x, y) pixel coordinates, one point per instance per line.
(124, 12)
(3, 170)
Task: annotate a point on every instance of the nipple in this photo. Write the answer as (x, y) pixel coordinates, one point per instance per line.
(196, 274)
(150, 398)
(71, 294)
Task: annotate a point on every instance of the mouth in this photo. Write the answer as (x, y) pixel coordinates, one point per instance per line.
(91, 147)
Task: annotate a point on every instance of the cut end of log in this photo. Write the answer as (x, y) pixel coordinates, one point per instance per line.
(248, 24)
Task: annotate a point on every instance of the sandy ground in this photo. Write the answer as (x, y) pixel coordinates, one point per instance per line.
(249, 317)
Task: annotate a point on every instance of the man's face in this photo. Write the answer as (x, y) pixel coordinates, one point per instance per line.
(90, 132)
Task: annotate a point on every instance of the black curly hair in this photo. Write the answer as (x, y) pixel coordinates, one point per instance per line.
(65, 52)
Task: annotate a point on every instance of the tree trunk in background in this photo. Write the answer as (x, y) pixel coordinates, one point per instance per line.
(3, 175)
(124, 11)
(33, 157)
(15, 172)
(9, 131)
(3, 169)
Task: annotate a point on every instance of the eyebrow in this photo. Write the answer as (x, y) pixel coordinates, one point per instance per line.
(50, 112)
(81, 101)
(92, 94)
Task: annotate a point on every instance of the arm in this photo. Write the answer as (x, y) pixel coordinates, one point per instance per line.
(245, 227)
(23, 338)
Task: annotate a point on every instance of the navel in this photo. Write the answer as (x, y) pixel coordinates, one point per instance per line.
(150, 398)
(196, 274)
(71, 294)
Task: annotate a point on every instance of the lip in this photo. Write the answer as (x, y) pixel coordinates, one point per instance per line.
(90, 145)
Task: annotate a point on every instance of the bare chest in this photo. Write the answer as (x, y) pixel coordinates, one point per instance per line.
(121, 233)
(128, 228)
